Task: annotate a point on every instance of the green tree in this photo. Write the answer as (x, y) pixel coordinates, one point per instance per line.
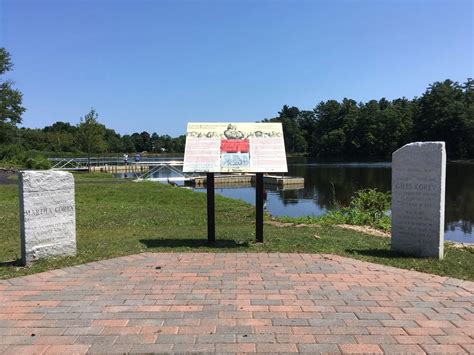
(32, 139)
(137, 141)
(179, 144)
(294, 138)
(293, 135)
(165, 141)
(365, 137)
(146, 141)
(394, 126)
(90, 135)
(60, 136)
(445, 113)
(11, 107)
(128, 144)
(468, 88)
(113, 141)
(349, 112)
(328, 136)
(306, 123)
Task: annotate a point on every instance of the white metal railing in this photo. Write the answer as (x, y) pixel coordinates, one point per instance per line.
(68, 164)
(63, 163)
(171, 167)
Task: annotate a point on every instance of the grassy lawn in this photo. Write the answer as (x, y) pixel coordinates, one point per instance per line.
(117, 217)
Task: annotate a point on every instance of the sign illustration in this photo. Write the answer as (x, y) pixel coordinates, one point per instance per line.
(235, 147)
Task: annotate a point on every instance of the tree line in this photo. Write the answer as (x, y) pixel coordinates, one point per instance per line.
(92, 136)
(350, 130)
(333, 130)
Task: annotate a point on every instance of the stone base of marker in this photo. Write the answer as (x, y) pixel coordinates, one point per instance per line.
(47, 214)
(418, 198)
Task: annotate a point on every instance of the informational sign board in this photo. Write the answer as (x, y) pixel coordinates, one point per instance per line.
(235, 147)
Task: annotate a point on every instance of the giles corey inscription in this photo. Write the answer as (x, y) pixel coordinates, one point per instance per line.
(47, 214)
(418, 195)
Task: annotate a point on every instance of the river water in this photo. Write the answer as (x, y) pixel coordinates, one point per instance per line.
(330, 185)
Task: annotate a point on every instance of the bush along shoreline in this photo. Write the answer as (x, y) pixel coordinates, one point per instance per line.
(13, 155)
(368, 207)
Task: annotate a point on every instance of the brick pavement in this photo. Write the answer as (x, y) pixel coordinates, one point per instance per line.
(235, 302)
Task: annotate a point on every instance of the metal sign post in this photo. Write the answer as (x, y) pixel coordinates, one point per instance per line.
(235, 147)
(211, 209)
(259, 207)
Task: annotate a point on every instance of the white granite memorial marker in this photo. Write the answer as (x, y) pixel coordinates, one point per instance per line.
(418, 195)
(47, 214)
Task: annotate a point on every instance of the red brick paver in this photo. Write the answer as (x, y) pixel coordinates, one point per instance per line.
(199, 302)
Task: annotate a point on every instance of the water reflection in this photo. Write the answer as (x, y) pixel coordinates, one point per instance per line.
(331, 185)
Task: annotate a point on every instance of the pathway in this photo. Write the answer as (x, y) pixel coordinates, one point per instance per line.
(179, 302)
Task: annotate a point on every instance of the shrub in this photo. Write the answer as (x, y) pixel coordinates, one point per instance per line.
(30, 159)
(367, 207)
(10, 152)
(371, 203)
(37, 163)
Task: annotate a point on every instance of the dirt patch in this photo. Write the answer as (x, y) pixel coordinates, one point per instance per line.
(363, 229)
(458, 245)
(283, 224)
(5, 175)
(279, 224)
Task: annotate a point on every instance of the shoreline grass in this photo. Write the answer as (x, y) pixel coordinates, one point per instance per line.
(117, 217)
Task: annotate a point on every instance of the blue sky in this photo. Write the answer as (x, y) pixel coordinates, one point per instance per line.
(155, 65)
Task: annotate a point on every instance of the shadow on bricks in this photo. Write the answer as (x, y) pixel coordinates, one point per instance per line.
(192, 243)
(379, 253)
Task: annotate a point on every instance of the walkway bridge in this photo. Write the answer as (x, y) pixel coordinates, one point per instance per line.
(169, 170)
(146, 168)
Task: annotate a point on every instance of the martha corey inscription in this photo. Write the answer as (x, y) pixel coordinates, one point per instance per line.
(418, 194)
(47, 214)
